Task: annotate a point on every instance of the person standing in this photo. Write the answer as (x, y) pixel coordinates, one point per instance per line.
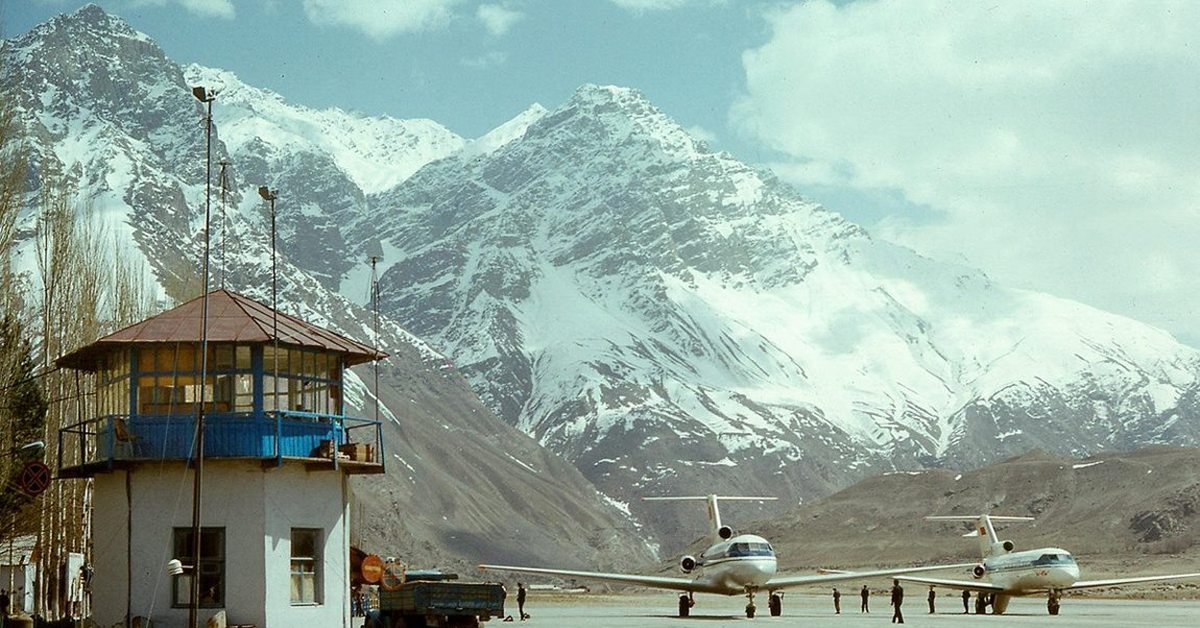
(866, 595)
(897, 601)
(837, 601)
(966, 601)
(521, 600)
(932, 599)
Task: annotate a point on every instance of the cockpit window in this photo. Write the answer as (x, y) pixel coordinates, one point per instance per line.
(1053, 559)
(750, 549)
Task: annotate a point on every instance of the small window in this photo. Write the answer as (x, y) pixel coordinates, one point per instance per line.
(212, 568)
(243, 358)
(306, 566)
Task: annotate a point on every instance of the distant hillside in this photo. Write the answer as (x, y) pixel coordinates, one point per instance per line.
(1134, 512)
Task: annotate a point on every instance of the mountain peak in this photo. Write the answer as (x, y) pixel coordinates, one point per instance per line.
(500, 136)
(92, 17)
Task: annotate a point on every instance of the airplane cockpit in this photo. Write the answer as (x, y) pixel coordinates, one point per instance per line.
(743, 550)
(1053, 560)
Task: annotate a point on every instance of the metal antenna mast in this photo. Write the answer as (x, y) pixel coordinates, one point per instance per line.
(205, 97)
(270, 195)
(373, 260)
(224, 163)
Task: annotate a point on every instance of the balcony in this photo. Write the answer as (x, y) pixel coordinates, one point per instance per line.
(316, 440)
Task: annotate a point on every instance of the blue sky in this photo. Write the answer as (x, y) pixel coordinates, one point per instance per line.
(1051, 144)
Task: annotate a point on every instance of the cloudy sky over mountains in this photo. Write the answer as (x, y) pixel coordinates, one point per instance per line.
(1053, 145)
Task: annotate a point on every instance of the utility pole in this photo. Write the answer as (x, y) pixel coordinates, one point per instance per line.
(207, 98)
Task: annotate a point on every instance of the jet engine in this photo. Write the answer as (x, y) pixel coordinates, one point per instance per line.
(1008, 546)
(687, 563)
(978, 571)
(725, 532)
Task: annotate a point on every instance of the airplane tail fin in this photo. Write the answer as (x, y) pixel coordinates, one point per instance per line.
(989, 543)
(714, 512)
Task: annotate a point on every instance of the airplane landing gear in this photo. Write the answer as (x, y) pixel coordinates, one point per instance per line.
(1053, 602)
(775, 603)
(686, 602)
(750, 607)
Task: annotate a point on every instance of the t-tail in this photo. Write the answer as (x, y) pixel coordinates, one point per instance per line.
(714, 512)
(989, 543)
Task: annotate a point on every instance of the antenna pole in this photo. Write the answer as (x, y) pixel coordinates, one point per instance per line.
(270, 195)
(374, 259)
(198, 469)
(224, 163)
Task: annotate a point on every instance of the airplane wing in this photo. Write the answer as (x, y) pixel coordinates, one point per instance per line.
(840, 576)
(969, 585)
(657, 582)
(1088, 584)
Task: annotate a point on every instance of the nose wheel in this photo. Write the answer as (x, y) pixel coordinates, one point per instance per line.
(750, 607)
(1053, 601)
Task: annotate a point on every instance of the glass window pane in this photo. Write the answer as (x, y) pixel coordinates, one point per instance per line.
(223, 360)
(243, 358)
(145, 360)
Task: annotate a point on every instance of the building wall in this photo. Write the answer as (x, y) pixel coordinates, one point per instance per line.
(256, 506)
(301, 499)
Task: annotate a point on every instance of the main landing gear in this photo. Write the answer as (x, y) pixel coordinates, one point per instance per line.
(775, 603)
(686, 602)
(1053, 601)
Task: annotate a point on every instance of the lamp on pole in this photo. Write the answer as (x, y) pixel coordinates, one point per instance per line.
(207, 98)
(269, 196)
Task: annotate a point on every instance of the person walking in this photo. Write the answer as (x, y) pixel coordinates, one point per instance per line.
(521, 600)
(966, 601)
(837, 601)
(932, 599)
(866, 595)
(897, 601)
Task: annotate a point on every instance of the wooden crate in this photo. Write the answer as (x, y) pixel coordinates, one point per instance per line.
(359, 452)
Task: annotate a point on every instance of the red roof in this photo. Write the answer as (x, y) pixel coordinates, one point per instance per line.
(232, 317)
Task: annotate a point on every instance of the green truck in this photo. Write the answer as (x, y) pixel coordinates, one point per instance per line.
(428, 599)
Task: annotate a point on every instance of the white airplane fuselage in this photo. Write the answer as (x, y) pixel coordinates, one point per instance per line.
(1032, 571)
(733, 566)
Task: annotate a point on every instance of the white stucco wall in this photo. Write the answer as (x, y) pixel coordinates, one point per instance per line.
(257, 507)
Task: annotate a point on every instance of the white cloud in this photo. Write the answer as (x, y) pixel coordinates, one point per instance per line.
(487, 60)
(205, 8)
(498, 18)
(644, 6)
(1055, 141)
(381, 19)
(702, 134)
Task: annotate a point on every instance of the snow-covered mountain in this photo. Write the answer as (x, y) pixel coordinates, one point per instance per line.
(661, 315)
(670, 319)
(102, 106)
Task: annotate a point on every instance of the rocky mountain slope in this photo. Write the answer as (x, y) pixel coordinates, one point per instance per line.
(103, 107)
(672, 320)
(662, 316)
(1133, 513)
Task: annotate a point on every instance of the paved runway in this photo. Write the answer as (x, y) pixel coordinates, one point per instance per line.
(640, 610)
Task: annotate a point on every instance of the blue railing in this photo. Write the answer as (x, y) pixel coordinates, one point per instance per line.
(270, 435)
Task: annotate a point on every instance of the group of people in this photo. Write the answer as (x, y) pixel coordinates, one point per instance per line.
(897, 601)
(520, 602)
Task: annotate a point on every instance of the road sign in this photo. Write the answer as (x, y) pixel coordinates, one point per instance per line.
(34, 478)
(372, 568)
(393, 576)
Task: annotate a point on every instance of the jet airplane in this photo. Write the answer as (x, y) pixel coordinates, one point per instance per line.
(1006, 574)
(741, 564)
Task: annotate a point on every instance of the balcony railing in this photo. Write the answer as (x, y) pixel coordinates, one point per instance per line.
(104, 441)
